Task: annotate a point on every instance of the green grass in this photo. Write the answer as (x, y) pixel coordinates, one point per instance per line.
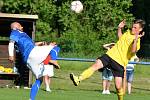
(90, 89)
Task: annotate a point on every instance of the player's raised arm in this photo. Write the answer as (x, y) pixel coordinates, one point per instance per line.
(134, 46)
(120, 26)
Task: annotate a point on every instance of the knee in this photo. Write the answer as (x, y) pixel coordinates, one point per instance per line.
(40, 79)
(118, 87)
(120, 91)
(98, 64)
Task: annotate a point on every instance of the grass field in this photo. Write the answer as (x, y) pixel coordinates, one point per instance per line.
(90, 89)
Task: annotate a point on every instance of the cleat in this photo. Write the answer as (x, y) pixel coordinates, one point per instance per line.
(74, 79)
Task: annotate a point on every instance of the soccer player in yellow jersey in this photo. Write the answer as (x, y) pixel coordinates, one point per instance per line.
(118, 56)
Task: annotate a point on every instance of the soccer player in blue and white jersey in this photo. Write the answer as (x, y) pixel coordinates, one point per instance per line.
(32, 55)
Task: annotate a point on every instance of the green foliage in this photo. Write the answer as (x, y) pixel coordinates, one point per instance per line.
(79, 35)
(86, 32)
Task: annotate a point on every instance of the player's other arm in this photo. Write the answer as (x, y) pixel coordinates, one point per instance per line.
(134, 45)
(120, 26)
(11, 50)
(40, 43)
(45, 43)
(135, 42)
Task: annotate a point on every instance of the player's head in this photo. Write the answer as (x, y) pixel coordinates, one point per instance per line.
(138, 26)
(16, 26)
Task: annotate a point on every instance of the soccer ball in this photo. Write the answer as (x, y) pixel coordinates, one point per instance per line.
(76, 6)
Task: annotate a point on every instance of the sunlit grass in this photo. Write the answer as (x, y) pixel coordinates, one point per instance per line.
(90, 89)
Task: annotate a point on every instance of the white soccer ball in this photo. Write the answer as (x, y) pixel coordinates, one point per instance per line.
(76, 6)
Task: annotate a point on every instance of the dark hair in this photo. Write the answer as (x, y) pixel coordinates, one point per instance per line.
(140, 22)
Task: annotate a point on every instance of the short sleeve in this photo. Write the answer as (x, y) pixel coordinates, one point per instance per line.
(54, 53)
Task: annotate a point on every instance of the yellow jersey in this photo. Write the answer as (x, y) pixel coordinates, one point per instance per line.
(121, 51)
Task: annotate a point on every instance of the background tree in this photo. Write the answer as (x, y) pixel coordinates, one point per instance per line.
(141, 11)
(79, 35)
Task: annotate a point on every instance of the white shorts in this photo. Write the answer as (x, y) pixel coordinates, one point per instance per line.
(36, 58)
(48, 70)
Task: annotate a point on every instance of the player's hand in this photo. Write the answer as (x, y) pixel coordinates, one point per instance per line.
(141, 35)
(122, 24)
(54, 63)
(11, 59)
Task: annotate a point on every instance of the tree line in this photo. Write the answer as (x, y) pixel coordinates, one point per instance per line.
(78, 35)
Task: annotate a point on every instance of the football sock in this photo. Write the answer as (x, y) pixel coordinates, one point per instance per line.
(35, 88)
(47, 86)
(120, 94)
(86, 74)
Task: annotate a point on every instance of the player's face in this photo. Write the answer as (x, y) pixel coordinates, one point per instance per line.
(136, 29)
(20, 27)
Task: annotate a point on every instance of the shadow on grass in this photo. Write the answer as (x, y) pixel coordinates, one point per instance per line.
(141, 89)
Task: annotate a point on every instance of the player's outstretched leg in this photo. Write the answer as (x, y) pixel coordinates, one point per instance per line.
(86, 73)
